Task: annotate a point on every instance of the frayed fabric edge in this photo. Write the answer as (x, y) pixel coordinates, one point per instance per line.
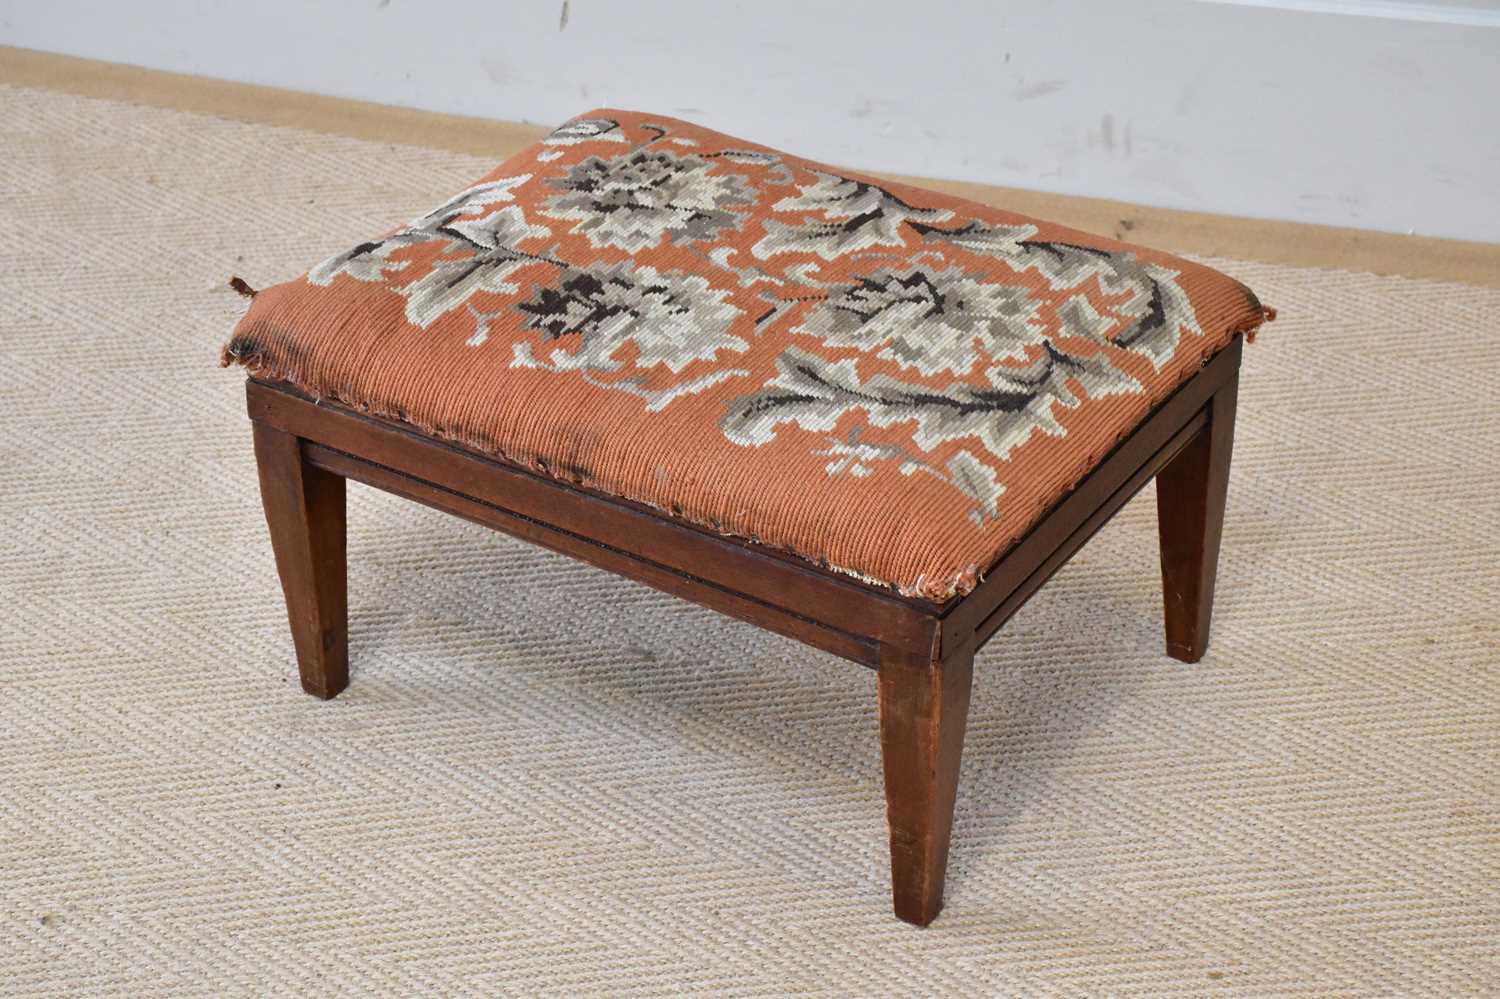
(1267, 315)
(942, 590)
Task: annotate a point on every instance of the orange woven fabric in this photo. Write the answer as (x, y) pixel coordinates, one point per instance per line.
(882, 379)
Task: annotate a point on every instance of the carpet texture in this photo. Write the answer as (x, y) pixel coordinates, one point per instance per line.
(547, 781)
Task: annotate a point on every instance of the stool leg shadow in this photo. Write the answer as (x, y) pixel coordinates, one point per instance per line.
(924, 707)
(1190, 495)
(305, 511)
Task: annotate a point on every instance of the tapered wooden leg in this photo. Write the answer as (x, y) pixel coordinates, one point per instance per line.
(305, 511)
(1190, 495)
(924, 705)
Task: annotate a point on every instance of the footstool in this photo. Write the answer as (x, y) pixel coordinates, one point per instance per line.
(861, 414)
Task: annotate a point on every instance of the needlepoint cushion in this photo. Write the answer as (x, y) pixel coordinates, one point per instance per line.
(885, 380)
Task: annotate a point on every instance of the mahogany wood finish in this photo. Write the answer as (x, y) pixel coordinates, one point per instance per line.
(924, 706)
(1190, 494)
(924, 651)
(305, 512)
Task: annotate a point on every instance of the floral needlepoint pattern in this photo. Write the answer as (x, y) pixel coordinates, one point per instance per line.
(841, 215)
(928, 319)
(668, 320)
(586, 130)
(633, 201)
(890, 381)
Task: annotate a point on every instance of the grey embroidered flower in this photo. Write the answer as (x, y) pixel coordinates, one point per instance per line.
(636, 200)
(1152, 300)
(928, 319)
(671, 319)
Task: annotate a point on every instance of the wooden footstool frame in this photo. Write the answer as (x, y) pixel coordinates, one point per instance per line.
(924, 651)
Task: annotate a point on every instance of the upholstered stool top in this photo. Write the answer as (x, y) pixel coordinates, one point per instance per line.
(886, 380)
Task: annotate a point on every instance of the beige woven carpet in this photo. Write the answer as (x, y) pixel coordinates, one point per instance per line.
(546, 781)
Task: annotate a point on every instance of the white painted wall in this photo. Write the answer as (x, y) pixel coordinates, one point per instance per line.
(1380, 114)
